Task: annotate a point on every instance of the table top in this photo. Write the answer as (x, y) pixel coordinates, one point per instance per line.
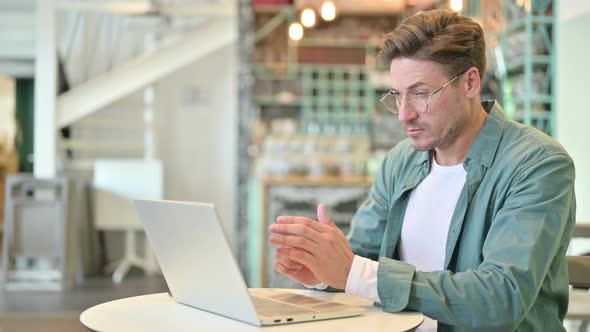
(159, 312)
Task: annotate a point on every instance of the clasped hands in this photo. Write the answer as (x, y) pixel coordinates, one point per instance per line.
(311, 252)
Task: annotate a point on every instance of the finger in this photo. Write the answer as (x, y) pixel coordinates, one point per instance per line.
(329, 233)
(323, 216)
(335, 241)
(288, 262)
(297, 230)
(280, 252)
(290, 220)
(291, 273)
(284, 269)
(295, 242)
(325, 219)
(299, 256)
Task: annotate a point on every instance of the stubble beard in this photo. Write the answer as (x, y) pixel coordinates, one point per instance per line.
(446, 140)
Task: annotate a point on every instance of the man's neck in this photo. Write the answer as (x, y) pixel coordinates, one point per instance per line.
(456, 153)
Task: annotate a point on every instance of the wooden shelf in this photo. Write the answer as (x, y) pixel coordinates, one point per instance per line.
(582, 229)
(278, 101)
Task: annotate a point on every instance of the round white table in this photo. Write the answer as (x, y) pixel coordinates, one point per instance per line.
(159, 312)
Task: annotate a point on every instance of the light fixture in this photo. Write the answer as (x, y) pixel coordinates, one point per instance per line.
(457, 5)
(328, 11)
(308, 17)
(295, 31)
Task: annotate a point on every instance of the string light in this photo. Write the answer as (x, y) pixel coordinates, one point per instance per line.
(308, 17)
(457, 5)
(328, 11)
(295, 31)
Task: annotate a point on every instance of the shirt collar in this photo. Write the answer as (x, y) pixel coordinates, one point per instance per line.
(423, 157)
(486, 143)
(483, 149)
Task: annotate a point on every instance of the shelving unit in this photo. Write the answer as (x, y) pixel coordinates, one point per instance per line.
(525, 58)
(331, 99)
(336, 100)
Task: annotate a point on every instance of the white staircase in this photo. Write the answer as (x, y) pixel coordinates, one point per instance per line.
(111, 115)
(118, 131)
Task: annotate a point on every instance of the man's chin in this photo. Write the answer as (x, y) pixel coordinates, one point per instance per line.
(420, 146)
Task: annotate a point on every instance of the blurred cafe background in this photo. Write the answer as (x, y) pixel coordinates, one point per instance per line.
(262, 107)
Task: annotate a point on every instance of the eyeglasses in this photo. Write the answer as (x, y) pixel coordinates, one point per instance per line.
(416, 101)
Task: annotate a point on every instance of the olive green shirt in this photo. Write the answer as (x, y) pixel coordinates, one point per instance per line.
(505, 266)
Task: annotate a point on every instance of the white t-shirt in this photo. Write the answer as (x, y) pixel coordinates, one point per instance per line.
(428, 216)
(424, 232)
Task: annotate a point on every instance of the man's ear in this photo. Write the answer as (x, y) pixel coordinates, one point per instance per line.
(472, 82)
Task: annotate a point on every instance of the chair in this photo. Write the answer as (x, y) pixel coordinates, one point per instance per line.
(116, 183)
(579, 277)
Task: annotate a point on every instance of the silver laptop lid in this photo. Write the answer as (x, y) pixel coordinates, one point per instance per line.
(195, 257)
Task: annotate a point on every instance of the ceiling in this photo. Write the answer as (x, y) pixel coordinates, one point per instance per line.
(93, 36)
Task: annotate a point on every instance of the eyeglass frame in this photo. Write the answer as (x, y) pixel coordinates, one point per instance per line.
(427, 100)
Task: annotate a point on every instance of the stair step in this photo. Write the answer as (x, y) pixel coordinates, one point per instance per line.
(94, 145)
(109, 123)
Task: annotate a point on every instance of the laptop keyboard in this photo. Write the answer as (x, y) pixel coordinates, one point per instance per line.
(272, 308)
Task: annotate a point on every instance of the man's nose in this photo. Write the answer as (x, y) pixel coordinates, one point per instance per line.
(406, 112)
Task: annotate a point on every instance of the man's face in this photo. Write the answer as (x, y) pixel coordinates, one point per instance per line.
(446, 117)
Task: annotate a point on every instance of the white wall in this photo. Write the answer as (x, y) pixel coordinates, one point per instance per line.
(573, 108)
(196, 119)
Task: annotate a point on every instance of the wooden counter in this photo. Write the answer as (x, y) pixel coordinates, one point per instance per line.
(318, 181)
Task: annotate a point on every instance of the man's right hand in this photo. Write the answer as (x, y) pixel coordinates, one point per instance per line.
(309, 251)
(298, 272)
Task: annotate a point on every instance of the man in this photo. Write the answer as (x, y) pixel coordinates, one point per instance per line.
(468, 220)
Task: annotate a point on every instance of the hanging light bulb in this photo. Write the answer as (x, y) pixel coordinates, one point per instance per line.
(328, 11)
(308, 17)
(295, 31)
(457, 5)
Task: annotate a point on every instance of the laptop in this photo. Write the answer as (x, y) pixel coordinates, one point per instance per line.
(200, 270)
